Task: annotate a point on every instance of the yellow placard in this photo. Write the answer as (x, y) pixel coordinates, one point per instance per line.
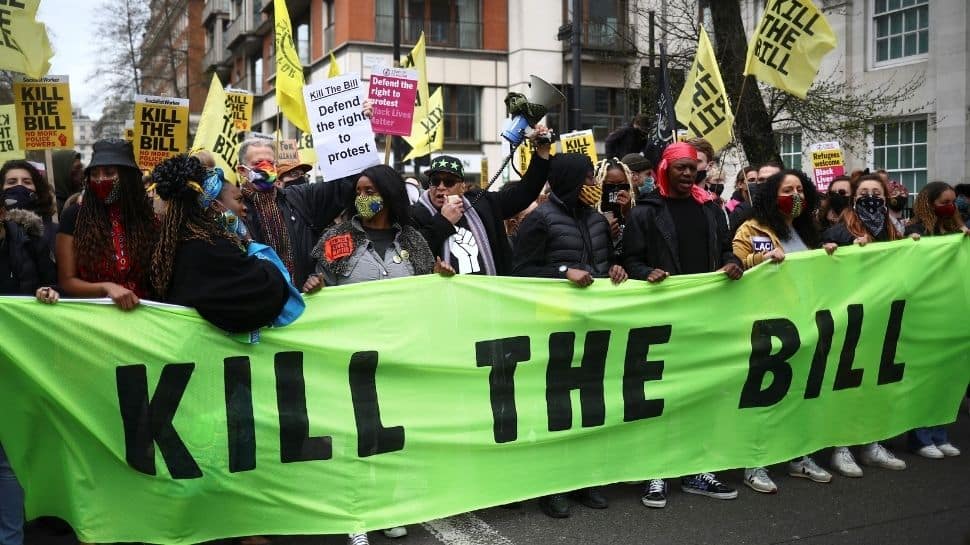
(239, 104)
(703, 105)
(307, 154)
(579, 142)
(9, 139)
(161, 129)
(525, 153)
(44, 112)
(129, 130)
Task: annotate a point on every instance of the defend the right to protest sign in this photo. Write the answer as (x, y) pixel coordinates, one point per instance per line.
(161, 129)
(9, 139)
(342, 134)
(44, 112)
(827, 163)
(392, 92)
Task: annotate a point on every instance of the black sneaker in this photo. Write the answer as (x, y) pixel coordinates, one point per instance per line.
(655, 494)
(591, 497)
(706, 484)
(555, 506)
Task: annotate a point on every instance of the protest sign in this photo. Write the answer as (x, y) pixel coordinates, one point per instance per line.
(239, 104)
(9, 139)
(525, 153)
(44, 112)
(342, 134)
(287, 150)
(827, 163)
(392, 93)
(161, 129)
(170, 438)
(579, 142)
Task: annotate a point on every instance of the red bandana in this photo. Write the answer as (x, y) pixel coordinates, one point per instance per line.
(679, 150)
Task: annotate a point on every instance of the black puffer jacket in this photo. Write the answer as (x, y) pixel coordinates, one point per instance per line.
(25, 254)
(650, 240)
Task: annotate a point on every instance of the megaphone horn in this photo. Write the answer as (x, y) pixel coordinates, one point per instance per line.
(526, 111)
(543, 92)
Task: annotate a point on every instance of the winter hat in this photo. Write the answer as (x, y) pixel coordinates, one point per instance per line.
(636, 162)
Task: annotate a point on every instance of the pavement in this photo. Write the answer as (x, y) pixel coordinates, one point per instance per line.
(928, 503)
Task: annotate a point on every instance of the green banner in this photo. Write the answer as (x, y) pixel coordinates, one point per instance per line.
(401, 401)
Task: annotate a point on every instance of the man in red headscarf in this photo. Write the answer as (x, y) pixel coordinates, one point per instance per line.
(679, 229)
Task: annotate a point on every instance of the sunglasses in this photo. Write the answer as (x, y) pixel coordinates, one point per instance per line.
(447, 181)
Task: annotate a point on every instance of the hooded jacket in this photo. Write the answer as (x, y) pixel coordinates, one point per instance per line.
(650, 240)
(25, 253)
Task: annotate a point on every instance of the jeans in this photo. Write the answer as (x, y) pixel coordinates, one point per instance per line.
(921, 437)
(11, 505)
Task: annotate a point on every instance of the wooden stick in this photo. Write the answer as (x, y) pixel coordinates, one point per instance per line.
(49, 161)
(387, 148)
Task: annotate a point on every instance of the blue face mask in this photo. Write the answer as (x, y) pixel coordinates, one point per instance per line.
(648, 186)
(963, 205)
(231, 223)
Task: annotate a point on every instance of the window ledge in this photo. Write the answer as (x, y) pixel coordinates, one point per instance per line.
(898, 63)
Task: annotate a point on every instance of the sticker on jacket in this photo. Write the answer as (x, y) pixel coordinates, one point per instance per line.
(762, 244)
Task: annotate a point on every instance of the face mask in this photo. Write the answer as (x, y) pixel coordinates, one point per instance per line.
(590, 194)
(19, 196)
(716, 189)
(896, 204)
(231, 223)
(872, 211)
(791, 205)
(945, 210)
(963, 205)
(753, 190)
(700, 176)
(648, 186)
(106, 190)
(368, 206)
(262, 175)
(838, 202)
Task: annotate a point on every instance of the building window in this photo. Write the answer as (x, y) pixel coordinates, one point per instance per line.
(256, 83)
(901, 29)
(328, 25)
(605, 25)
(604, 109)
(444, 23)
(790, 144)
(462, 112)
(303, 43)
(900, 148)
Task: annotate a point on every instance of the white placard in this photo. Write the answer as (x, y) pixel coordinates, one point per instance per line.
(342, 135)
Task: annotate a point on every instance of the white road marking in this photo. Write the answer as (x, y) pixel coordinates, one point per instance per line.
(466, 529)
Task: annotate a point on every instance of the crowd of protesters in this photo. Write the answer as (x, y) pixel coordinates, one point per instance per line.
(242, 255)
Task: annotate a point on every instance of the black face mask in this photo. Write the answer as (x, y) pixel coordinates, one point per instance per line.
(700, 176)
(19, 197)
(896, 204)
(871, 210)
(716, 189)
(838, 202)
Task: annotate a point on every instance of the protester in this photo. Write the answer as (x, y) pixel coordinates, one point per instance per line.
(68, 176)
(199, 263)
(715, 184)
(779, 226)
(705, 157)
(26, 188)
(26, 267)
(205, 157)
(963, 202)
(467, 231)
(747, 174)
(752, 188)
(615, 180)
(641, 173)
(105, 243)
(836, 200)
(896, 202)
(679, 230)
(628, 139)
(292, 173)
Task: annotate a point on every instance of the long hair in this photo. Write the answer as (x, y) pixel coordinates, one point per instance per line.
(93, 239)
(44, 206)
(924, 213)
(851, 219)
(603, 167)
(391, 187)
(178, 181)
(767, 213)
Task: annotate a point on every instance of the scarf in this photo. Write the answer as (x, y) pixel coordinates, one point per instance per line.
(275, 233)
(476, 227)
(679, 150)
(872, 213)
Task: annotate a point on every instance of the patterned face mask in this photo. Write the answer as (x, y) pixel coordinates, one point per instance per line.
(871, 209)
(590, 194)
(262, 175)
(231, 223)
(791, 205)
(368, 206)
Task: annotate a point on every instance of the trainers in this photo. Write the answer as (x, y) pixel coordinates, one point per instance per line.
(706, 484)
(555, 506)
(930, 451)
(591, 497)
(395, 532)
(655, 494)
(358, 539)
(806, 468)
(948, 449)
(844, 462)
(877, 455)
(757, 479)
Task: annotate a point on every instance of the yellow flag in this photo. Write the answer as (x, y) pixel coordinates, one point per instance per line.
(334, 69)
(788, 45)
(217, 132)
(289, 71)
(308, 155)
(9, 137)
(24, 46)
(416, 60)
(430, 135)
(703, 105)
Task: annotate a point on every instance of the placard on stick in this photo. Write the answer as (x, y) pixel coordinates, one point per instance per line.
(239, 103)
(161, 129)
(392, 92)
(44, 112)
(342, 134)
(827, 163)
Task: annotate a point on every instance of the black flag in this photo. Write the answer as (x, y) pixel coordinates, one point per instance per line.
(664, 130)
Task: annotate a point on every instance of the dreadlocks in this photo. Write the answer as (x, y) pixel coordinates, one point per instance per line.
(178, 181)
(604, 166)
(924, 213)
(94, 237)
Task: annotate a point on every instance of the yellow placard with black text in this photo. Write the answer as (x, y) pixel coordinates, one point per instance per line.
(9, 138)
(239, 104)
(161, 129)
(579, 142)
(43, 108)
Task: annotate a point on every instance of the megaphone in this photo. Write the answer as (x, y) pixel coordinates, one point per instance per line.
(525, 111)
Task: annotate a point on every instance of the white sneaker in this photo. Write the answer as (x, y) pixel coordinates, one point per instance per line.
(877, 455)
(930, 451)
(757, 479)
(358, 539)
(948, 449)
(806, 468)
(844, 463)
(395, 532)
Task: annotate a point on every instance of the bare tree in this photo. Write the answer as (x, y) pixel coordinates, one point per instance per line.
(165, 48)
(119, 75)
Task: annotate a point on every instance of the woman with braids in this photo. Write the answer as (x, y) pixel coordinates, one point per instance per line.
(200, 260)
(104, 245)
